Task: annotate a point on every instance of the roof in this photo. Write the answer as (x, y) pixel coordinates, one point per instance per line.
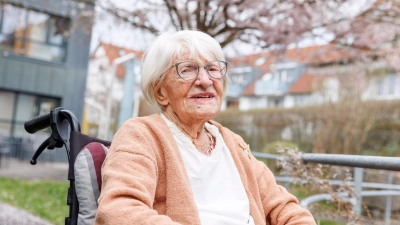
(113, 52)
(316, 55)
(305, 84)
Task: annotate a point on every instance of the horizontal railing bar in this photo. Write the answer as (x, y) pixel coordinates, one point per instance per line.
(266, 155)
(351, 183)
(361, 161)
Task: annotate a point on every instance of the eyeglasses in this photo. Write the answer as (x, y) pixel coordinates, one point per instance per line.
(188, 70)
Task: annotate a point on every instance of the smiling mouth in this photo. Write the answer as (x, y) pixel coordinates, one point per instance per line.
(204, 96)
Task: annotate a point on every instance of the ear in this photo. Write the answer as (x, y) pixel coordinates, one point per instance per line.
(161, 96)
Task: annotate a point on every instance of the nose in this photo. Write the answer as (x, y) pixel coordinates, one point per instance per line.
(203, 78)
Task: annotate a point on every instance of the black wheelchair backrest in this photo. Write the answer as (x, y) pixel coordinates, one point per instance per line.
(80, 145)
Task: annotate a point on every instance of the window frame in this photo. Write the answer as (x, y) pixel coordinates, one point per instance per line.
(24, 39)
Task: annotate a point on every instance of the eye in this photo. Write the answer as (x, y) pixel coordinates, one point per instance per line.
(187, 68)
(213, 68)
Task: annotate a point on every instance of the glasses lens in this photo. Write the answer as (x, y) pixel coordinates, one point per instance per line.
(216, 69)
(188, 70)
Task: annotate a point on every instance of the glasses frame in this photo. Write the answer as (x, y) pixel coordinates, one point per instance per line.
(205, 66)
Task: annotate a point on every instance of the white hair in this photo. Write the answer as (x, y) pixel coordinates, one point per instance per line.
(168, 47)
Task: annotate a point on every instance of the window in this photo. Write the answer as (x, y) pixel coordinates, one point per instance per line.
(33, 34)
(232, 104)
(300, 100)
(276, 79)
(387, 85)
(392, 82)
(7, 101)
(20, 108)
(284, 76)
(237, 78)
(267, 77)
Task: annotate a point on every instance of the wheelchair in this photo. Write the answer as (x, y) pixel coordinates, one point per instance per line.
(85, 157)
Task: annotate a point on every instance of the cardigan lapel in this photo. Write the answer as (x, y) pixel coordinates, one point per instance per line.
(180, 204)
(240, 153)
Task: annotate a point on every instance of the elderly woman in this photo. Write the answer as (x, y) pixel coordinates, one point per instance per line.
(180, 167)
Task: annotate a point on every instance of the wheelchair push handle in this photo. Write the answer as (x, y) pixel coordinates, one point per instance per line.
(38, 123)
(58, 120)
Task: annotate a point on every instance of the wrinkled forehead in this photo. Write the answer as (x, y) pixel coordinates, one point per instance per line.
(195, 53)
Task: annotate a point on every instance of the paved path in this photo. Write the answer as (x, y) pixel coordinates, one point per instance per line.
(13, 168)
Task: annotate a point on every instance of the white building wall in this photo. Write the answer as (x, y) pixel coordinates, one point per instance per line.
(253, 102)
(288, 101)
(244, 103)
(331, 89)
(371, 90)
(223, 104)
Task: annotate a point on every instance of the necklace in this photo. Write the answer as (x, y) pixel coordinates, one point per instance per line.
(211, 143)
(207, 146)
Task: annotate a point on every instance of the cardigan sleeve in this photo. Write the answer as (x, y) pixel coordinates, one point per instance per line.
(129, 176)
(280, 207)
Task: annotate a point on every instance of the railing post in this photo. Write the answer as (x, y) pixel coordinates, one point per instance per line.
(358, 179)
(388, 207)
(286, 183)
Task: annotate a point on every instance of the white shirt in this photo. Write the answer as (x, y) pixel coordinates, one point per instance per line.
(217, 188)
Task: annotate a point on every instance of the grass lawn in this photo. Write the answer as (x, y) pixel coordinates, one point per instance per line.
(302, 192)
(329, 222)
(46, 199)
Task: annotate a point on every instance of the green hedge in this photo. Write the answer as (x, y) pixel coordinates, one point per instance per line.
(351, 127)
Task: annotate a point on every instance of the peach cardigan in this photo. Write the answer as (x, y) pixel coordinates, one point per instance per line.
(145, 181)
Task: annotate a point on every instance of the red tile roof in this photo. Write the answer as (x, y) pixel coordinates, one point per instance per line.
(250, 89)
(113, 52)
(305, 84)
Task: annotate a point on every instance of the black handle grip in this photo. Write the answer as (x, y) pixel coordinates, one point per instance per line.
(37, 123)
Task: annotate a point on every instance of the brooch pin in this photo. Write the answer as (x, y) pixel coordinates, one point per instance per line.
(246, 149)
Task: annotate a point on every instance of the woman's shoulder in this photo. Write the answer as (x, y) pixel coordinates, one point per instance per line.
(142, 125)
(150, 120)
(141, 132)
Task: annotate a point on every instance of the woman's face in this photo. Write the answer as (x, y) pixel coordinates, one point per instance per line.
(198, 99)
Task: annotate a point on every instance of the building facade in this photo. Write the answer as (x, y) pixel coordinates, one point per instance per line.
(309, 76)
(113, 89)
(44, 54)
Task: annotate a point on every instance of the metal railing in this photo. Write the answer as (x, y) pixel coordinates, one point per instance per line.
(359, 163)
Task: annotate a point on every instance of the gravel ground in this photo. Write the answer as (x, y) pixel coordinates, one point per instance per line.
(10, 215)
(12, 168)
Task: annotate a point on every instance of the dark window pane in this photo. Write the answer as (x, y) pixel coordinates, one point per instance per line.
(6, 42)
(58, 26)
(47, 104)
